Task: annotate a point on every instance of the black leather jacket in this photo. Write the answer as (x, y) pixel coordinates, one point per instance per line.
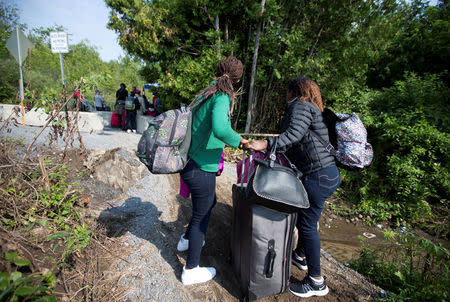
(301, 147)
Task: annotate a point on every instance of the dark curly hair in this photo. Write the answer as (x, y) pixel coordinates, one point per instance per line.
(306, 90)
(228, 72)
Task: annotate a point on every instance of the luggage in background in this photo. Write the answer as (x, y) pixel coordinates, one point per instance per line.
(114, 120)
(261, 246)
(119, 106)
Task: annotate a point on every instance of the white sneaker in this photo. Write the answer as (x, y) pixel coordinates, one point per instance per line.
(134, 131)
(197, 275)
(128, 131)
(183, 244)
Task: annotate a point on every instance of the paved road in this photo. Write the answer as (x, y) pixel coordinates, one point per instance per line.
(107, 139)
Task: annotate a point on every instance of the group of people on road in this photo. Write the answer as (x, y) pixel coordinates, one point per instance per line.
(211, 130)
(128, 104)
(81, 104)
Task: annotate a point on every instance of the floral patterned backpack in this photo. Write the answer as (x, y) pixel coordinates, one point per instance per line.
(164, 146)
(348, 140)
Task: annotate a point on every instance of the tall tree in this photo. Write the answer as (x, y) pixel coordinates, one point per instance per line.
(253, 72)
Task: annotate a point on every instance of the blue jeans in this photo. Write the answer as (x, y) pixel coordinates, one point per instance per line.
(319, 185)
(203, 194)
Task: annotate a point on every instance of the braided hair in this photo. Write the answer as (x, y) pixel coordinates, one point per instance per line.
(306, 90)
(228, 72)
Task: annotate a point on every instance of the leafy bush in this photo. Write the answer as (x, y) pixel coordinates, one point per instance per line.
(74, 240)
(412, 268)
(408, 126)
(15, 286)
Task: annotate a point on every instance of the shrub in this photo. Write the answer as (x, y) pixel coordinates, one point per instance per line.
(408, 126)
(15, 286)
(410, 267)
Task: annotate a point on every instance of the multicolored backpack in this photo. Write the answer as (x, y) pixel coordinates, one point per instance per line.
(164, 146)
(348, 140)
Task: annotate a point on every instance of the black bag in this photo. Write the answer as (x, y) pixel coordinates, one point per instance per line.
(279, 187)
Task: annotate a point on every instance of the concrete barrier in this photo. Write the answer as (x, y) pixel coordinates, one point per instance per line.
(94, 121)
(32, 117)
(88, 121)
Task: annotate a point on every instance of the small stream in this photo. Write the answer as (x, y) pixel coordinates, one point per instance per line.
(342, 239)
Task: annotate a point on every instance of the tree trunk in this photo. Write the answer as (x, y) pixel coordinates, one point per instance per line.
(216, 26)
(252, 77)
(311, 52)
(239, 103)
(226, 33)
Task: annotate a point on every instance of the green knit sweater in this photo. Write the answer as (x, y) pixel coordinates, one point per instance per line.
(211, 130)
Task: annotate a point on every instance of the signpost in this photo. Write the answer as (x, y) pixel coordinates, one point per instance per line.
(19, 46)
(59, 44)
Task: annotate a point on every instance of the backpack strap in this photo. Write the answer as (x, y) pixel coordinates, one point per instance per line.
(199, 100)
(328, 146)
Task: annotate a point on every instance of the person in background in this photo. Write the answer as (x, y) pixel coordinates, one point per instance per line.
(211, 130)
(156, 101)
(132, 105)
(121, 96)
(149, 109)
(141, 100)
(99, 101)
(320, 175)
(77, 102)
(80, 102)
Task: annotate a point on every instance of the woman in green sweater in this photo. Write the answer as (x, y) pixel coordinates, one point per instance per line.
(211, 130)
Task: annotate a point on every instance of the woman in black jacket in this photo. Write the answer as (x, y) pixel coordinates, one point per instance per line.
(320, 175)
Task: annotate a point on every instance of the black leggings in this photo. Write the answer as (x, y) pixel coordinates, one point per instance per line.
(202, 185)
(131, 120)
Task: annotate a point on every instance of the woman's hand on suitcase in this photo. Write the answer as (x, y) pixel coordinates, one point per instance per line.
(242, 143)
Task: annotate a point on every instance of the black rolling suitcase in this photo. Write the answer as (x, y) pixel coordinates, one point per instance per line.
(262, 244)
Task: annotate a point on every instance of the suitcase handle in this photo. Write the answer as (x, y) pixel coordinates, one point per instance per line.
(271, 254)
(250, 152)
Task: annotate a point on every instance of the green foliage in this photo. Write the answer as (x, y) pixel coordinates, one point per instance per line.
(326, 40)
(9, 69)
(73, 240)
(410, 136)
(412, 268)
(58, 199)
(15, 286)
(420, 43)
